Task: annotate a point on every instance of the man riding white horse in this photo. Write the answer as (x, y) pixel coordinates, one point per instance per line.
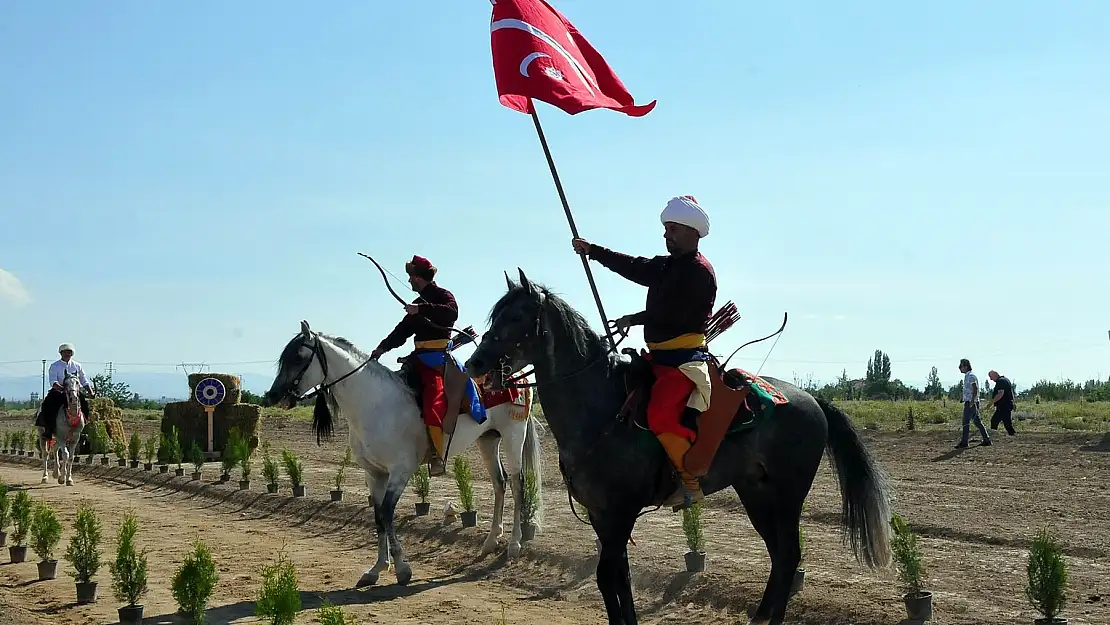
(55, 399)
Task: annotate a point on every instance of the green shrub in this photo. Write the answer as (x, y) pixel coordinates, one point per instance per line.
(269, 467)
(911, 569)
(463, 478)
(294, 468)
(329, 614)
(279, 600)
(196, 456)
(21, 517)
(1048, 575)
(693, 526)
(194, 582)
(119, 448)
(150, 449)
(84, 546)
(134, 446)
(422, 483)
(341, 473)
(5, 506)
(46, 531)
(129, 570)
(229, 459)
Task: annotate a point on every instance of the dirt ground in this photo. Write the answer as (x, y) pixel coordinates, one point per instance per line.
(976, 510)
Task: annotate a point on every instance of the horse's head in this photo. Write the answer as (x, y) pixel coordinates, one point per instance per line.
(71, 388)
(299, 369)
(515, 334)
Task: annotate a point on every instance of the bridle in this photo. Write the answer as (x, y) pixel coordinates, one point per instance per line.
(324, 386)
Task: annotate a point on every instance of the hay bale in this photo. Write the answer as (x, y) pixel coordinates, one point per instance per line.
(115, 430)
(104, 409)
(232, 386)
(192, 423)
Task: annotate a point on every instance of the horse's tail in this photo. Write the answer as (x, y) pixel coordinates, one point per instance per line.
(533, 462)
(865, 512)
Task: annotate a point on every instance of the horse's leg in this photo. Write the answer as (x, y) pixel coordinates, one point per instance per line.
(42, 446)
(376, 483)
(516, 433)
(393, 490)
(71, 453)
(488, 445)
(767, 515)
(613, 575)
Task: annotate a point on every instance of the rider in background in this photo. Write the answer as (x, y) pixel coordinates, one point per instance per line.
(54, 399)
(437, 305)
(682, 288)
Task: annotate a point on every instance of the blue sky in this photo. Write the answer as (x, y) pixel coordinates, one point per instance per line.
(186, 182)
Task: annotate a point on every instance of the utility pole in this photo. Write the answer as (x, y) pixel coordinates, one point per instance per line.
(111, 370)
(43, 378)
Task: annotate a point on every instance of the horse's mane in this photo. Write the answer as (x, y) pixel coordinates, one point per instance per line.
(557, 309)
(376, 368)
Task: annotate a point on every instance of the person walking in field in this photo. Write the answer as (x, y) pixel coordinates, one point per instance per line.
(971, 406)
(1003, 402)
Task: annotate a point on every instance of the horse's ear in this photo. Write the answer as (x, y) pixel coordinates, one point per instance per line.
(524, 281)
(509, 281)
(304, 328)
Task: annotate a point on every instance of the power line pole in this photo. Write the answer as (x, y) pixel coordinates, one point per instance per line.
(111, 370)
(43, 378)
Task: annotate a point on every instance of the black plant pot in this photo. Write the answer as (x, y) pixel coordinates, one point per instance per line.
(470, 519)
(48, 570)
(1051, 621)
(163, 468)
(695, 561)
(225, 477)
(271, 488)
(86, 592)
(527, 531)
(134, 464)
(244, 484)
(88, 460)
(3, 539)
(299, 491)
(423, 508)
(148, 466)
(17, 554)
(337, 495)
(131, 615)
(121, 462)
(919, 606)
(179, 472)
(196, 476)
(104, 460)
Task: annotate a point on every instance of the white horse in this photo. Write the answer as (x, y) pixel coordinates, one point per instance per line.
(388, 438)
(68, 425)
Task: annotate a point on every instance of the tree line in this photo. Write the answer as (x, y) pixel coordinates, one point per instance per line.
(120, 393)
(876, 384)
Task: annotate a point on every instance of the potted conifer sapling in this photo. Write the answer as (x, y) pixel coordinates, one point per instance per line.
(150, 451)
(83, 553)
(464, 480)
(911, 571)
(1047, 571)
(21, 520)
(422, 484)
(269, 469)
(693, 526)
(5, 513)
(529, 505)
(129, 573)
(134, 448)
(337, 493)
(196, 456)
(229, 458)
(244, 458)
(294, 468)
(46, 533)
(194, 582)
(120, 449)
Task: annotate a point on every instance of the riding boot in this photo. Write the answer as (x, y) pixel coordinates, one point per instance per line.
(436, 467)
(690, 492)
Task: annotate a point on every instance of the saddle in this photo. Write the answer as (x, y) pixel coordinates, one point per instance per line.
(731, 403)
(454, 387)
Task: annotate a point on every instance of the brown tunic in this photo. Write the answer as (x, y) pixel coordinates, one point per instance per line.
(681, 290)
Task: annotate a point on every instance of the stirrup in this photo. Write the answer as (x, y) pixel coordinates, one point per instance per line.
(683, 498)
(436, 467)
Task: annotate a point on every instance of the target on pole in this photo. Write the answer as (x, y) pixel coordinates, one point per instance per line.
(210, 392)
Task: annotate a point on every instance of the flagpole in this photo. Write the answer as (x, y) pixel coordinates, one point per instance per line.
(573, 228)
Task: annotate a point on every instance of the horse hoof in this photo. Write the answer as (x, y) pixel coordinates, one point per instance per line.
(488, 548)
(44, 480)
(369, 578)
(514, 550)
(61, 481)
(404, 576)
(69, 482)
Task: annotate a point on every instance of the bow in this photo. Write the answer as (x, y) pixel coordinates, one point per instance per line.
(397, 297)
(776, 333)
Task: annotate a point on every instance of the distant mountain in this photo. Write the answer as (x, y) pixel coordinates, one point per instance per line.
(147, 385)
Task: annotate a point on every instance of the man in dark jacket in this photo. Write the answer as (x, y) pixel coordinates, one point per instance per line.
(1003, 402)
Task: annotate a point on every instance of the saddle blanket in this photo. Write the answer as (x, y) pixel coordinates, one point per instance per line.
(473, 399)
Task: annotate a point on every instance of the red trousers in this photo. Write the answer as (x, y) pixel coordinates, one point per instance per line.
(669, 395)
(434, 397)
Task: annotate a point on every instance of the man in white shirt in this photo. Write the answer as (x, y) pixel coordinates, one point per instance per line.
(971, 406)
(54, 399)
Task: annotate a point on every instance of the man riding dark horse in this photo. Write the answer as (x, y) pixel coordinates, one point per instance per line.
(682, 289)
(55, 399)
(437, 305)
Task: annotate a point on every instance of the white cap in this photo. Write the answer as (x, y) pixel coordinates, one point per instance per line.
(66, 347)
(685, 210)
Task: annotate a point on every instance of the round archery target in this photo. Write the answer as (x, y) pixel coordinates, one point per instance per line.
(210, 392)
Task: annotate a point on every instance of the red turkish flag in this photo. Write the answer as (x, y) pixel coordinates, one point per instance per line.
(538, 53)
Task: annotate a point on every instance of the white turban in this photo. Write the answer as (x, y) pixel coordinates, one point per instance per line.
(66, 347)
(685, 210)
